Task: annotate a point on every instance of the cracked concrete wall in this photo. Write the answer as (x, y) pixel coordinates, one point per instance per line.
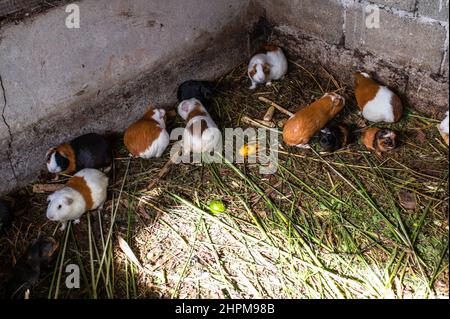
(60, 83)
(407, 51)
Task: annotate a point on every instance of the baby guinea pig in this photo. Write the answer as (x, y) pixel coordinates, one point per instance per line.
(148, 137)
(307, 122)
(85, 191)
(379, 140)
(376, 102)
(27, 271)
(443, 128)
(201, 90)
(201, 134)
(334, 137)
(268, 66)
(87, 151)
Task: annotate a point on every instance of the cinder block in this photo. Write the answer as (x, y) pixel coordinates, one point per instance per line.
(321, 19)
(427, 95)
(407, 5)
(436, 9)
(402, 40)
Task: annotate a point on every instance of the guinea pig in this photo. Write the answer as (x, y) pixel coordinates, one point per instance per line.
(268, 66)
(87, 151)
(5, 216)
(307, 122)
(201, 134)
(443, 128)
(148, 137)
(85, 191)
(201, 90)
(27, 271)
(334, 137)
(377, 103)
(379, 140)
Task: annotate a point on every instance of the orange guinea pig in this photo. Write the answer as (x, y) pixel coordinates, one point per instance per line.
(378, 140)
(300, 128)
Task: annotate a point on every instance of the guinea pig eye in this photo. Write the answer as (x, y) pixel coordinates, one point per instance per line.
(59, 206)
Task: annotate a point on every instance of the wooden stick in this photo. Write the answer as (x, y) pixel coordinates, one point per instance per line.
(46, 188)
(269, 114)
(278, 107)
(259, 123)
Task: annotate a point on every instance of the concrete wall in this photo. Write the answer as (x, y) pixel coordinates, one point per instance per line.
(409, 50)
(58, 83)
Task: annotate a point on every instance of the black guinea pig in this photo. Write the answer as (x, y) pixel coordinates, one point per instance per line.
(201, 90)
(334, 137)
(27, 271)
(87, 151)
(5, 216)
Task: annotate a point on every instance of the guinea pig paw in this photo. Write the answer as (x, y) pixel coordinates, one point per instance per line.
(63, 227)
(304, 146)
(76, 221)
(253, 87)
(269, 83)
(56, 178)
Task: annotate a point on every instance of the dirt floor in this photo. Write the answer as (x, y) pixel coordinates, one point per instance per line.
(323, 226)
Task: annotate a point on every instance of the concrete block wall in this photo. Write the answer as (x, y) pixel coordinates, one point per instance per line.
(408, 51)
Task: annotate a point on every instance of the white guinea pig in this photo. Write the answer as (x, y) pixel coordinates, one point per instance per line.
(85, 191)
(268, 66)
(201, 133)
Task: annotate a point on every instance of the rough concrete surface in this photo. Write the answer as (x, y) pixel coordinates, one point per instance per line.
(125, 56)
(397, 39)
(320, 18)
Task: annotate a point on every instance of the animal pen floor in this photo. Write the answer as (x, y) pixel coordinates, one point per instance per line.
(324, 226)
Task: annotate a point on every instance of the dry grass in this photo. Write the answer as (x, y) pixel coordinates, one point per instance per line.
(323, 226)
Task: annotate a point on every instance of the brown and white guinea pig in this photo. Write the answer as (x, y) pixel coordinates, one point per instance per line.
(85, 191)
(379, 140)
(334, 137)
(443, 128)
(87, 151)
(148, 137)
(376, 102)
(307, 122)
(28, 269)
(268, 66)
(201, 134)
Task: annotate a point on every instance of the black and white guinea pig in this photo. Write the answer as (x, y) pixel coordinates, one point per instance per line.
(27, 271)
(268, 66)
(334, 137)
(87, 151)
(201, 134)
(201, 90)
(5, 216)
(85, 191)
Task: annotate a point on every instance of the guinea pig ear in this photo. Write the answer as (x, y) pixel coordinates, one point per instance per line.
(184, 106)
(68, 201)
